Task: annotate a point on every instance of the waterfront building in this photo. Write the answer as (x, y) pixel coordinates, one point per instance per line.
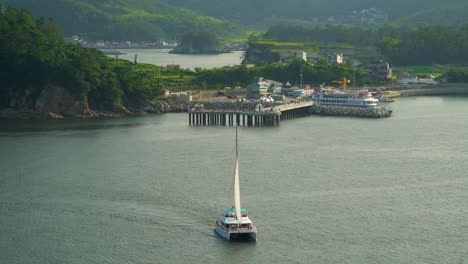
(405, 78)
(336, 58)
(313, 57)
(262, 87)
(290, 55)
(379, 70)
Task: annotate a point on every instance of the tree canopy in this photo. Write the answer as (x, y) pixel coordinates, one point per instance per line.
(135, 20)
(33, 55)
(198, 42)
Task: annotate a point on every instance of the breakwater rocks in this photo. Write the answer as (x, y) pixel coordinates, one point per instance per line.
(438, 90)
(101, 111)
(160, 106)
(167, 106)
(379, 112)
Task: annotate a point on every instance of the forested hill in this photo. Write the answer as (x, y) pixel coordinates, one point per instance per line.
(137, 20)
(273, 11)
(148, 20)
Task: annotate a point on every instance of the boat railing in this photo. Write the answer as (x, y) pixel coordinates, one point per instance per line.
(242, 229)
(239, 229)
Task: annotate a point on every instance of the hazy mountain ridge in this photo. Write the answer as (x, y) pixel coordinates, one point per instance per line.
(150, 20)
(142, 20)
(256, 11)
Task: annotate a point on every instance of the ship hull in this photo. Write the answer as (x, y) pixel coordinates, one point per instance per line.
(234, 234)
(242, 236)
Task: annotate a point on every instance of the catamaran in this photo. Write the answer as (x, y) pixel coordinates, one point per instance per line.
(234, 222)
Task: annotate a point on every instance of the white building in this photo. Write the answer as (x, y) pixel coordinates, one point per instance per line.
(262, 87)
(336, 58)
(290, 55)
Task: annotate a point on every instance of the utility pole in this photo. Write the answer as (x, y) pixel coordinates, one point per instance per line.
(354, 77)
(301, 77)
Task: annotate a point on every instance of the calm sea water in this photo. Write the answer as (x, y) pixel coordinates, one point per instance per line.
(320, 189)
(162, 57)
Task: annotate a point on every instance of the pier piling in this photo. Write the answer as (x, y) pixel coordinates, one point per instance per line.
(273, 116)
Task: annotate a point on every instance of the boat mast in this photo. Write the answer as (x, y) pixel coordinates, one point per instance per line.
(237, 152)
(237, 205)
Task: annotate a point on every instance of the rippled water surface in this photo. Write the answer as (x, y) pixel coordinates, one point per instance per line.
(320, 189)
(162, 57)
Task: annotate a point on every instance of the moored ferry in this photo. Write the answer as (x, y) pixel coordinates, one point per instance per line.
(362, 98)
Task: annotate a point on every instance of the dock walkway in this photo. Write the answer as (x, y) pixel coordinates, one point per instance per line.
(227, 115)
(269, 116)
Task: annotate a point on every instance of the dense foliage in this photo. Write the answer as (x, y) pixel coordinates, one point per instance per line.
(427, 45)
(252, 12)
(326, 33)
(135, 20)
(33, 55)
(198, 42)
(457, 76)
(400, 45)
(312, 74)
(260, 53)
(149, 20)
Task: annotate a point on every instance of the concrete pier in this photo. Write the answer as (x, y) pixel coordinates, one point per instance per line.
(220, 118)
(272, 116)
(269, 116)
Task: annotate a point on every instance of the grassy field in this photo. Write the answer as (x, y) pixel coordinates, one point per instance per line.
(426, 70)
(314, 46)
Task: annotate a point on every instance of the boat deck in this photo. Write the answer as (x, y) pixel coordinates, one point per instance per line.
(241, 230)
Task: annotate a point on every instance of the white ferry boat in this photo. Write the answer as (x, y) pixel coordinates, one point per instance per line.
(362, 98)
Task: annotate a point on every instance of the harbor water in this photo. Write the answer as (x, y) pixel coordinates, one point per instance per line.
(162, 57)
(320, 189)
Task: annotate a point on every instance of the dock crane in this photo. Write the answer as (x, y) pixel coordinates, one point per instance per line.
(344, 82)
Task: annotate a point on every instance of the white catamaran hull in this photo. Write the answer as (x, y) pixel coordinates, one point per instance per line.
(235, 235)
(222, 233)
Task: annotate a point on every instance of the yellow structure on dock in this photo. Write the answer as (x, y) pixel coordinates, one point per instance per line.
(344, 82)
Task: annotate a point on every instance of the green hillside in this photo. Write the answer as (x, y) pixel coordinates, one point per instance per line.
(149, 20)
(271, 12)
(137, 20)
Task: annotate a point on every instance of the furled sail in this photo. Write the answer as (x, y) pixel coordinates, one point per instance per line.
(237, 192)
(237, 185)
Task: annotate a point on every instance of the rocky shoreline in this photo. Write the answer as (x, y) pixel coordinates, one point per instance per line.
(161, 106)
(379, 112)
(437, 90)
(56, 103)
